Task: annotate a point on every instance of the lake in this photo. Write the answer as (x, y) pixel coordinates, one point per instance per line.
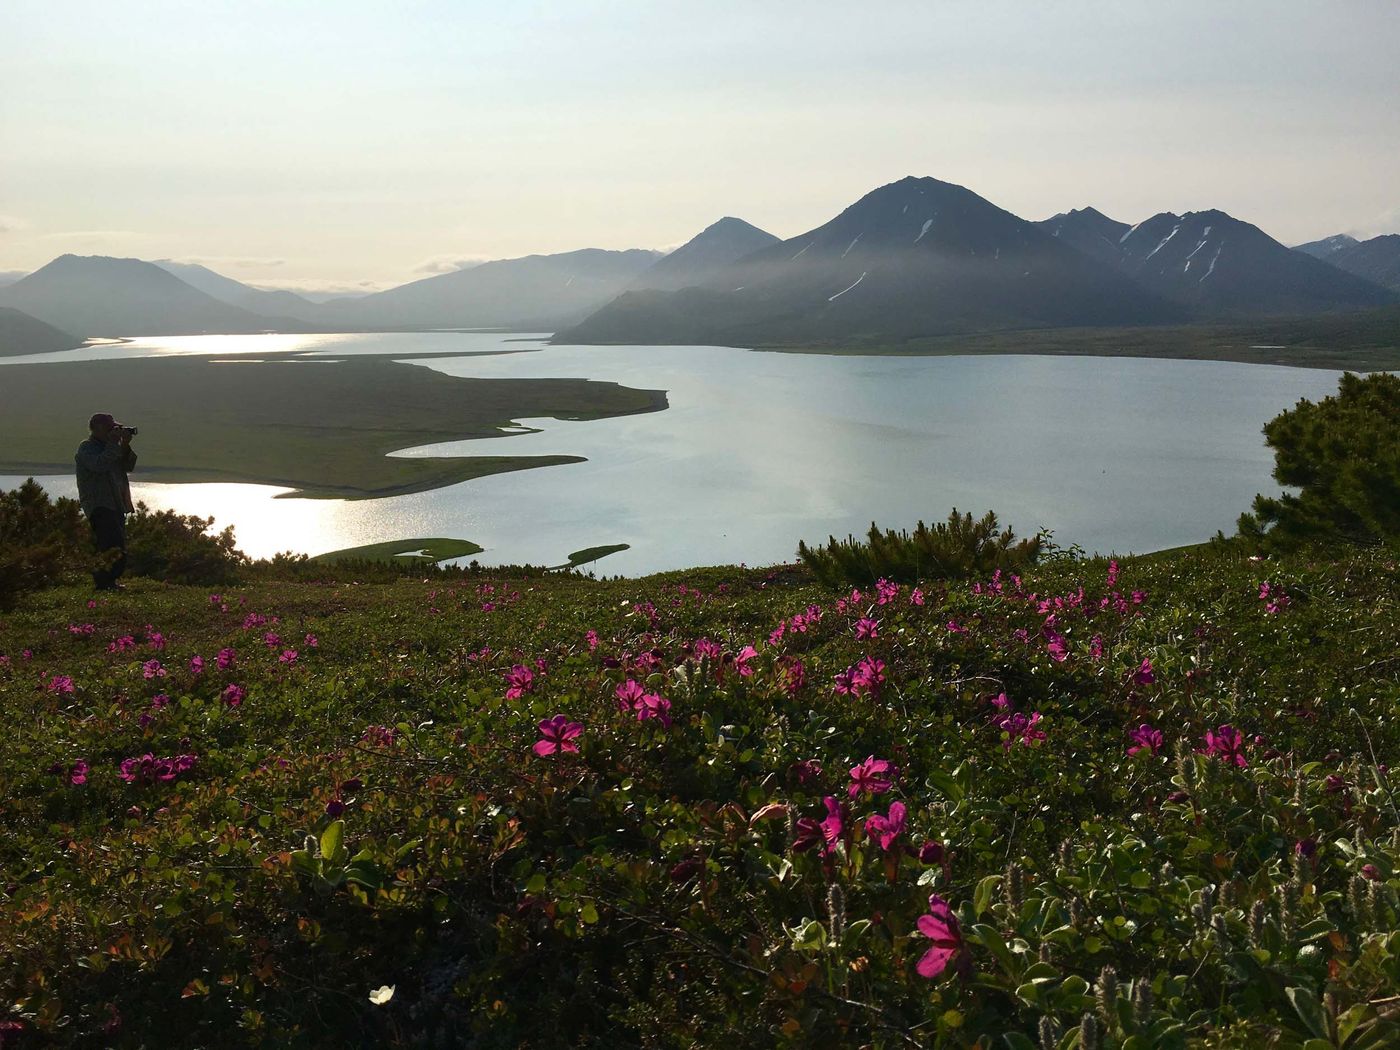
(759, 450)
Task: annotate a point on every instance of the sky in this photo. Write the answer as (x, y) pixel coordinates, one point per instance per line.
(345, 144)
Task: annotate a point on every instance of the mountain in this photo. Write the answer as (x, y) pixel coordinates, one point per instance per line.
(1377, 259)
(236, 293)
(1221, 267)
(537, 291)
(1327, 247)
(96, 295)
(918, 257)
(700, 259)
(22, 334)
(1090, 231)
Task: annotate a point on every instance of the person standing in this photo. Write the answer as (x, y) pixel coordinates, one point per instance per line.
(103, 462)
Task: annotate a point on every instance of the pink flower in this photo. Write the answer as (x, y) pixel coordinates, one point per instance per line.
(155, 639)
(628, 694)
(61, 683)
(652, 705)
(1055, 645)
(867, 628)
(1144, 675)
(1145, 738)
(557, 734)
(122, 644)
(1019, 726)
(931, 853)
(152, 669)
(1096, 648)
(941, 927)
(233, 695)
(77, 776)
(885, 830)
(272, 639)
(289, 656)
(591, 637)
(916, 597)
(807, 770)
(311, 641)
(875, 775)
(147, 769)
(1112, 574)
(794, 674)
(953, 627)
(226, 659)
(83, 630)
(741, 660)
(520, 680)
(196, 665)
(1226, 744)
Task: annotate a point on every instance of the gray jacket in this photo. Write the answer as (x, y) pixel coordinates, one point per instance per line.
(102, 471)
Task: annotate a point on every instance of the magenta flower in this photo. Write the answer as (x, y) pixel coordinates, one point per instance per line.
(652, 705)
(1019, 726)
(629, 694)
(123, 644)
(1144, 674)
(953, 627)
(77, 776)
(1056, 646)
(931, 853)
(289, 656)
(61, 683)
(742, 659)
(83, 630)
(885, 830)
(226, 659)
(867, 628)
(155, 639)
(152, 669)
(941, 927)
(233, 695)
(519, 680)
(311, 641)
(1226, 744)
(147, 769)
(875, 775)
(1112, 574)
(196, 665)
(591, 637)
(916, 597)
(807, 771)
(1096, 648)
(557, 734)
(1145, 738)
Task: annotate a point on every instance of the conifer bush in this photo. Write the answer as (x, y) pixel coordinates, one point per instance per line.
(953, 550)
(1343, 454)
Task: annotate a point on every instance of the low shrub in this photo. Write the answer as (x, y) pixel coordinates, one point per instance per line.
(180, 548)
(41, 540)
(953, 550)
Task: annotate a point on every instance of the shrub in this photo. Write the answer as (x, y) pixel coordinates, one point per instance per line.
(41, 540)
(1343, 453)
(955, 549)
(180, 548)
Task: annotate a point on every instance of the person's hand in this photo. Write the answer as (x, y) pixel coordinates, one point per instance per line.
(125, 437)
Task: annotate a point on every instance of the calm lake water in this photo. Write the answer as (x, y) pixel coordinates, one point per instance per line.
(759, 450)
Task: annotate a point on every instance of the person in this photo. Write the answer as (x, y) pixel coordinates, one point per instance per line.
(103, 462)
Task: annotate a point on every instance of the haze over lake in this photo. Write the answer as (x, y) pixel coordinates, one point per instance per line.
(759, 450)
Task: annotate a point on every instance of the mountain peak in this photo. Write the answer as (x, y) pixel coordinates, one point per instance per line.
(709, 251)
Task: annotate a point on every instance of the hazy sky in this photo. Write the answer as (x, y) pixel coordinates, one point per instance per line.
(326, 144)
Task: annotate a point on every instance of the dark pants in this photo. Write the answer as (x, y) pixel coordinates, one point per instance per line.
(109, 530)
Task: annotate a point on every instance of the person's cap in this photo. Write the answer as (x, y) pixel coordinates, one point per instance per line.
(101, 418)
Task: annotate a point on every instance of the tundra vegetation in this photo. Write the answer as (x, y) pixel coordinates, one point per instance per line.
(1143, 802)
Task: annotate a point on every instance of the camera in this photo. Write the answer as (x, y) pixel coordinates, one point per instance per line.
(129, 431)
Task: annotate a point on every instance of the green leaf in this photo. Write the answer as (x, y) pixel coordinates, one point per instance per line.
(985, 893)
(331, 839)
(1309, 1010)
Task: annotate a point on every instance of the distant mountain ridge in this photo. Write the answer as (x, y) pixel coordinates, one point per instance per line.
(1090, 231)
(98, 295)
(917, 257)
(700, 259)
(1377, 259)
(236, 293)
(22, 334)
(539, 291)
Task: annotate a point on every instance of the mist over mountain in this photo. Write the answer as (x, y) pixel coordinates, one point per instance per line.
(1377, 259)
(700, 259)
(97, 295)
(236, 293)
(1090, 231)
(918, 257)
(537, 291)
(1222, 267)
(22, 334)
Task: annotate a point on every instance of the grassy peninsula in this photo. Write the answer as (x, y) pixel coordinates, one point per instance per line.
(323, 428)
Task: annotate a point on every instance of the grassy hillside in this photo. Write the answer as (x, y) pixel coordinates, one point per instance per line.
(717, 808)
